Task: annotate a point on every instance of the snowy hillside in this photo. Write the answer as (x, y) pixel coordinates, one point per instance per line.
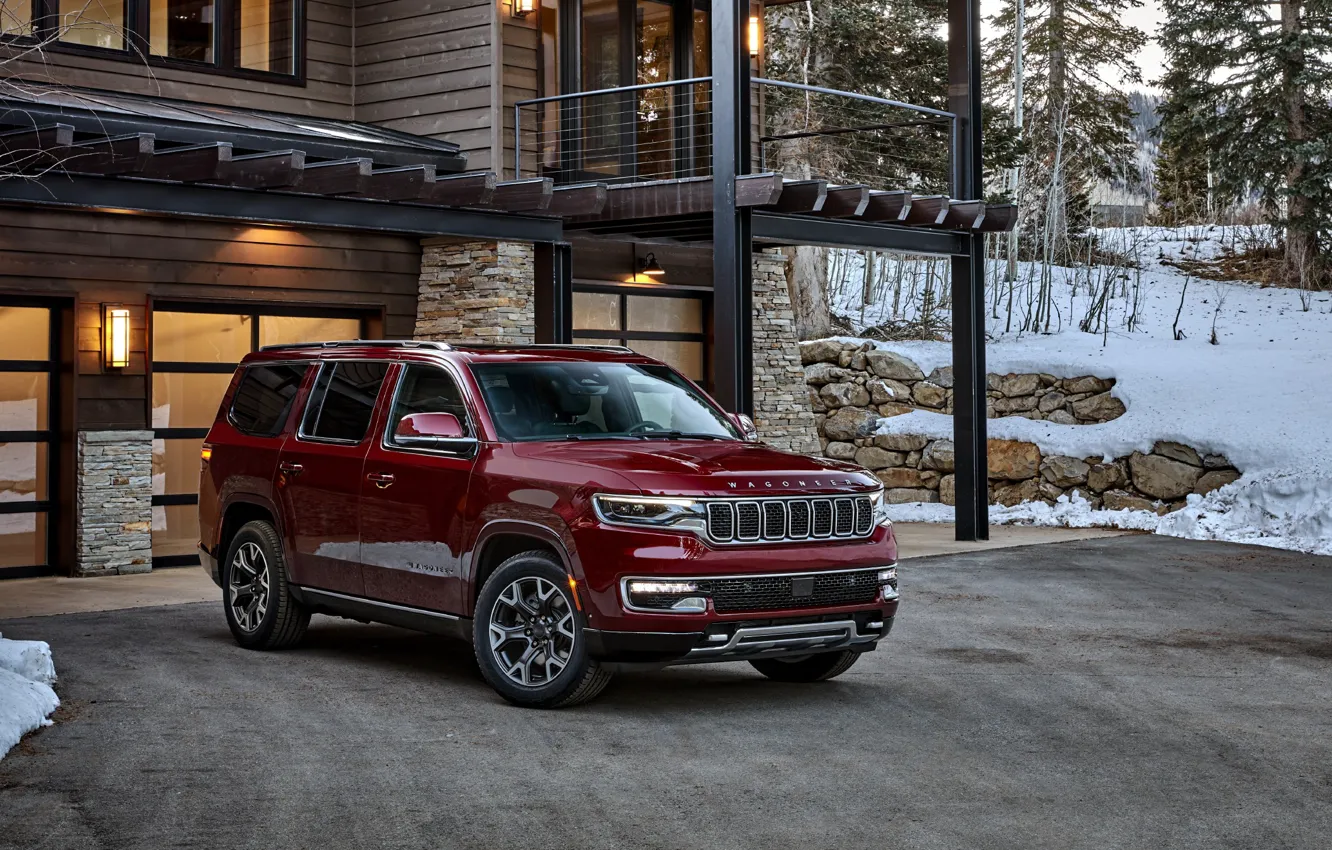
(1260, 395)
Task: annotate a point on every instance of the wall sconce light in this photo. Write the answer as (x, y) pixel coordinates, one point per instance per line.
(523, 8)
(651, 267)
(754, 40)
(115, 330)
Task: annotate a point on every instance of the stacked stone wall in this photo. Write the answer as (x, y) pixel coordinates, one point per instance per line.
(476, 291)
(781, 413)
(114, 495)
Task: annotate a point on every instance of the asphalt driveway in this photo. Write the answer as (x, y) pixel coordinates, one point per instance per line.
(1135, 692)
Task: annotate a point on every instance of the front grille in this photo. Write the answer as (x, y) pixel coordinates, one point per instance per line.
(775, 593)
(790, 520)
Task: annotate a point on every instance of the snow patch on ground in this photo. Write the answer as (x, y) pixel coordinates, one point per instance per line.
(26, 697)
(1260, 396)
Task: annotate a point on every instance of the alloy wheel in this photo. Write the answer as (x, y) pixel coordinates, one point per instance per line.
(248, 586)
(532, 631)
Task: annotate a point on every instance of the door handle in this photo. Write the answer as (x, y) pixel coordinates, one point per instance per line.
(382, 479)
(292, 469)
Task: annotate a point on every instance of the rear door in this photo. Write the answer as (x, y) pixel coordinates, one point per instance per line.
(412, 499)
(319, 475)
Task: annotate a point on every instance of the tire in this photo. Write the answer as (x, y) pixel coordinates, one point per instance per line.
(526, 622)
(811, 668)
(256, 596)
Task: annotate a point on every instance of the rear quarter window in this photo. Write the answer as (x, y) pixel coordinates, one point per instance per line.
(264, 398)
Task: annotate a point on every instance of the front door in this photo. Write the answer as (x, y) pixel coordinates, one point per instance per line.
(319, 476)
(412, 500)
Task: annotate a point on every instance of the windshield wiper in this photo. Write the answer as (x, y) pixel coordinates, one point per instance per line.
(598, 437)
(679, 435)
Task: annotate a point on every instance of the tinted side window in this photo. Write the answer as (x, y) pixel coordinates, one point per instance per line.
(264, 397)
(427, 389)
(343, 401)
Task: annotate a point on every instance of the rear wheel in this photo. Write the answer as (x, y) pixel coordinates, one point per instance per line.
(528, 636)
(260, 609)
(811, 668)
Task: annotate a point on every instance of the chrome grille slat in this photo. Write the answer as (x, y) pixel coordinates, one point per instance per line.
(790, 519)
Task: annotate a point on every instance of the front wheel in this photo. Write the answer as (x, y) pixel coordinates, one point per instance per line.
(528, 636)
(811, 668)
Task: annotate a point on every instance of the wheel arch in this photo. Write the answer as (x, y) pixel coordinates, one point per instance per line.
(236, 514)
(500, 540)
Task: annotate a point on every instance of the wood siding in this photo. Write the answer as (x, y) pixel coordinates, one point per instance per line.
(327, 91)
(520, 80)
(424, 67)
(99, 258)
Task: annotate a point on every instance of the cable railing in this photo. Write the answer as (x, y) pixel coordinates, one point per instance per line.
(655, 131)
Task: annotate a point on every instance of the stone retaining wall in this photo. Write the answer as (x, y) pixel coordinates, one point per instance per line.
(114, 495)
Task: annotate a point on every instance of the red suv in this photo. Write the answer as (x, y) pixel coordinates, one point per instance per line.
(568, 510)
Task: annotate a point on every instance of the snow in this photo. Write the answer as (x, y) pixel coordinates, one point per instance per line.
(1260, 396)
(26, 697)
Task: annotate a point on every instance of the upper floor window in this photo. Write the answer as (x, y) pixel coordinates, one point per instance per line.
(229, 35)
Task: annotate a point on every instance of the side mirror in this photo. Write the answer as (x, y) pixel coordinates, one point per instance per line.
(428, 429)
(747, 428)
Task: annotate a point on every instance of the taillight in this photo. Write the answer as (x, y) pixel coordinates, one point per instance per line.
(206, 454)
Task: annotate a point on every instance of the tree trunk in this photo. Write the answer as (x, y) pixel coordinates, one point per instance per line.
(807, 281)
(1058, 219)
(1301, 241)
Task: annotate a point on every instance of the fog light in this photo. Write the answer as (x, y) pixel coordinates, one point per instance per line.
(691, 605)
(889, 593)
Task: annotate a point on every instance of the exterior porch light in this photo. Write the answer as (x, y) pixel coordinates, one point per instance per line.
(523, 8)
(651, 267)
(115, 328)
(754, 39)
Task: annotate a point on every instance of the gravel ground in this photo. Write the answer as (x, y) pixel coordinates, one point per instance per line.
(1136, 692)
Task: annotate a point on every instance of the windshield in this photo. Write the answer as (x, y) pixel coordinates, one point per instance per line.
(596, 401)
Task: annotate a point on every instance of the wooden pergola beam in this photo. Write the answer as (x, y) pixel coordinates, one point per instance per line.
(337, 177)
(964, 215)
(127, 154)
(401, 183)
(34, 139)
(268, 170)
(845, 201)
(888, 206)
(187, 164)
(523, 195)
(474, 189)
(927, 210)
(999, 218)
(585, 199)
(801, 196)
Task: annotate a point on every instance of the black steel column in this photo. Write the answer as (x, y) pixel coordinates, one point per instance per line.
(552, 295)
(969, 377)
(732, 259)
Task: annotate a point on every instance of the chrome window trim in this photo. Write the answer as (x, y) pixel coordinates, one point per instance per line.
(303, 437)
(243, 368)
(468, 446)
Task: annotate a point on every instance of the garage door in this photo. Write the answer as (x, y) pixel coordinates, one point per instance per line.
(28, 399)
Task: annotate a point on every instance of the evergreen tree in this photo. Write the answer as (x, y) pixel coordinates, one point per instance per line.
(1257, 81)
(1181, 178)
(1077, 120)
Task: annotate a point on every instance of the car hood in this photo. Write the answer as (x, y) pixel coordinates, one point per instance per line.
(703, 468)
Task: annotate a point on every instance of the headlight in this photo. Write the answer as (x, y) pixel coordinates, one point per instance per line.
(679, 597)
(880, 509)
(687, 514)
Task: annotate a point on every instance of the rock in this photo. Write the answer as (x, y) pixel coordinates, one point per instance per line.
(1063, 471)
(844, 395)
(1162, 477)
(1052, 401)
(884, 390)
(948, 490)
(929, 395)
(825, 373)
(1050, 492)
(849, 423)
(1107, 476)
(1016, 385)
(1013, 460)
(1216, 462)
(1048, 380)
(844, 359)
(901, 442)
(859, 362)
(1087, 384)
(1014, 494)
(820, 351)
(913, 459)
(992, 382)
(895, 409)
(930, 478)
(871, 457)
(904, 495)
(815, 403)
(840, 451)
(886, 364)
(1215, 479)
(1099, 408)
(1015, 404)
(938, 455)
(899, 477)
(1121, 500)
(1177, 451)
(942, 376)
(1061, 417)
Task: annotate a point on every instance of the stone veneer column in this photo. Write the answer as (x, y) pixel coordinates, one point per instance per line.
(781, 397)
(476, 291)
(114, 513)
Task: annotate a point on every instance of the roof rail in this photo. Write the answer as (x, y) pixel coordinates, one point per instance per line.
(362, 343)
(465, 346)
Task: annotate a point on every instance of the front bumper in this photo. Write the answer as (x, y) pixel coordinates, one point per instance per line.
(743, 640)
